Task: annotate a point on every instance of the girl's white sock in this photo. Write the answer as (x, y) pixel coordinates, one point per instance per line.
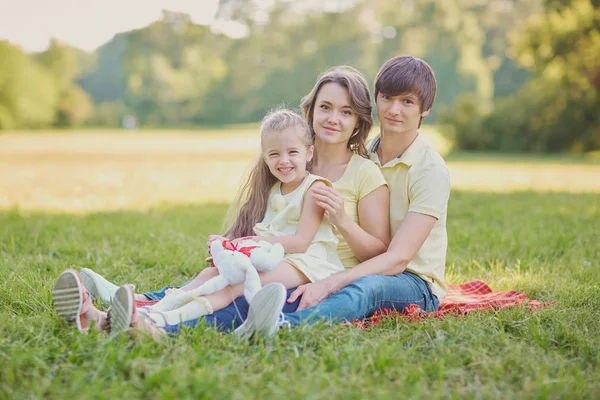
(198, 307)
(174, 299)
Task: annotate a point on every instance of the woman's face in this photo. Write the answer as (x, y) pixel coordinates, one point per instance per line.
(334, 120)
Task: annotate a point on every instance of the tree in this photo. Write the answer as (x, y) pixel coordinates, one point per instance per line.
(557, 109)
(28, 93)
(562, 47)
(176, 72)
(65, 64)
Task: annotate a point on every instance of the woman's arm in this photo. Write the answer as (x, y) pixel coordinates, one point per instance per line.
(310, 219)
(371, 235)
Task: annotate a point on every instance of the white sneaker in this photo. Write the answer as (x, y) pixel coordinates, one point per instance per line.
(69, 299)
(97, 285)
(264, 313)
(123, 309)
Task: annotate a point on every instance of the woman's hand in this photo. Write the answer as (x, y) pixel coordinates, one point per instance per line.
(332, 202)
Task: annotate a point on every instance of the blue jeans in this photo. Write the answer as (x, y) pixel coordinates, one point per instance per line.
(358, 300)
(160, 293)
(368, 294)
(230, 317)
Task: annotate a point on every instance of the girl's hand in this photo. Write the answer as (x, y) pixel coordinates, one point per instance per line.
(238, 240)
(332, 202)
(212, 238)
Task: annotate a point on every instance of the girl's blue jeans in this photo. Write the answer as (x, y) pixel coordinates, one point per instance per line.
(358, 300)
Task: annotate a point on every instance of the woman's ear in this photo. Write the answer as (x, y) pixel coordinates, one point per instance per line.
(310, 153)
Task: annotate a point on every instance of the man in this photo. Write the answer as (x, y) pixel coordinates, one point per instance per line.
(411, 271)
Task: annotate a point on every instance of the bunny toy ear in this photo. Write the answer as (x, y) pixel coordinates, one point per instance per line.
(216, 247)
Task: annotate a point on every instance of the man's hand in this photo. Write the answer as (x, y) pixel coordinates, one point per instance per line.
(312, 293)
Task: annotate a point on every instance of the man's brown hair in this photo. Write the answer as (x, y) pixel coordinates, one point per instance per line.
(407, 75)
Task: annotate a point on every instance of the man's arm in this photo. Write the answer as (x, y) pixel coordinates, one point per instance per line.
(407, 241)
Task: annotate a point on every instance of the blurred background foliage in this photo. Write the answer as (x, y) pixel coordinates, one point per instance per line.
(513, 75)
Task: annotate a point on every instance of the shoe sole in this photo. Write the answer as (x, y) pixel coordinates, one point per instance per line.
(121, 310)
(67, 298)
(267, 301)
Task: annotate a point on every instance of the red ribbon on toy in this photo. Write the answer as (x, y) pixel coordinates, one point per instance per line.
(245, 250)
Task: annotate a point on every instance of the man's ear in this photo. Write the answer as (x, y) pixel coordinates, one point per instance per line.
(425, 113)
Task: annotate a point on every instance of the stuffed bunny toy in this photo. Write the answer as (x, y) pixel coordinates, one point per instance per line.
(237, 262)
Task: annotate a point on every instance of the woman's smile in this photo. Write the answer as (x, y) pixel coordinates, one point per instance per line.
(331, 130)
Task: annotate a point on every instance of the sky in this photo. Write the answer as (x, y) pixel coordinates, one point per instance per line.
(88, 24)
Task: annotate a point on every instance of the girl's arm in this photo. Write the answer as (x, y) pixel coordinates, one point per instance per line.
(371, 236)
(310, 219)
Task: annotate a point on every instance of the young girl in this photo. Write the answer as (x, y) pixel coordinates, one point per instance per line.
(277, 206)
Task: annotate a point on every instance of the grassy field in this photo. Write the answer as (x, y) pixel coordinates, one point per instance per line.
(81, 172)
(533, 234)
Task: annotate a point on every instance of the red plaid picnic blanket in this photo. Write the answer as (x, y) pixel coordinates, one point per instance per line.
(460, 300)
(144, 303)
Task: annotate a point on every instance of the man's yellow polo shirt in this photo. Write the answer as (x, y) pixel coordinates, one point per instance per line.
(419, 182)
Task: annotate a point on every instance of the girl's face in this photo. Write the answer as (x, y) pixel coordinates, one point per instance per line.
(286, 154)
(333, 117)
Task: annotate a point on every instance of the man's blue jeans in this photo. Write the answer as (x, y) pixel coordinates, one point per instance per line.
(368, 294)
(358, 300)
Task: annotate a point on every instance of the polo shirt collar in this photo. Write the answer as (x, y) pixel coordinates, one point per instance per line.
(409, 157)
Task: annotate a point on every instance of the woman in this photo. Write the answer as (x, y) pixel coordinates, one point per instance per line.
(338, 110)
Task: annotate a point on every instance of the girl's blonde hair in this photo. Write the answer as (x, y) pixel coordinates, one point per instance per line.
(360, 101)
(251, 200)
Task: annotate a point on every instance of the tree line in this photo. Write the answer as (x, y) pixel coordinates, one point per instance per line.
(512, 74)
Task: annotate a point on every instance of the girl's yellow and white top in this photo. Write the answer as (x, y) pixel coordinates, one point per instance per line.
(281, 219)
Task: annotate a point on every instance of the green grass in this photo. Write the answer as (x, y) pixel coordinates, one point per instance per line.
(544, 244)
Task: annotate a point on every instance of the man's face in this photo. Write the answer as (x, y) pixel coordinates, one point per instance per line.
(399, 114)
